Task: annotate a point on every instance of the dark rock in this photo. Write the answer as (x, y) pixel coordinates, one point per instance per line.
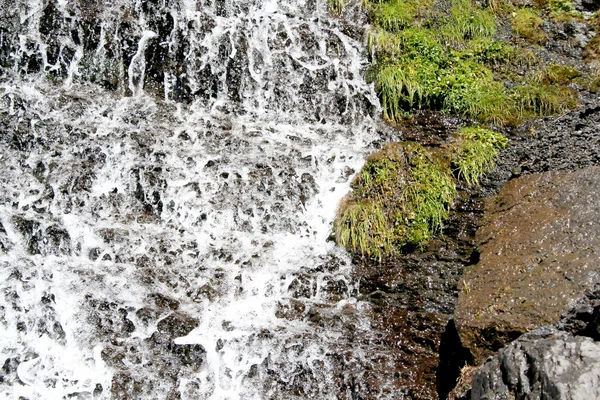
(584, 318)
(176, 325)
(57, 241)
(31, 232)
(537, 257)
(586, 5)
(564, 143)
(162, 301)
(4, 241)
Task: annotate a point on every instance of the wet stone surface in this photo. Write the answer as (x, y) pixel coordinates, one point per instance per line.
(558, 361)
(410, 301)
(537, 256)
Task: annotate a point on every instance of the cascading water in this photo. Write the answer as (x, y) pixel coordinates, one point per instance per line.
(170, 173)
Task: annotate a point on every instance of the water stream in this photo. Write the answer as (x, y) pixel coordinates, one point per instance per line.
(170, 171)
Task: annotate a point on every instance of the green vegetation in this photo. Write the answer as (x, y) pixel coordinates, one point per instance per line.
(448, 56)
(492, 52)
(535, 99)
(401, 197)
(417, 72)
(527, 23)
(563, 10)
(394, 15)
(452, 62)
(559, 75)
(362, 227)
(467, 22)
(476, 152)
(547, 93)
(403, 194)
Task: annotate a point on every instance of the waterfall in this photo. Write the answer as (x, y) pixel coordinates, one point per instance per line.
(170, 173)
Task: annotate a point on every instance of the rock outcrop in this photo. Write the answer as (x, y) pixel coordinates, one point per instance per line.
(561, 361)
(538, 255)
(544, 364)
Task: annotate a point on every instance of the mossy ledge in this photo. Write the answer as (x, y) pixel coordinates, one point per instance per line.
(455, 58)
(403, 194)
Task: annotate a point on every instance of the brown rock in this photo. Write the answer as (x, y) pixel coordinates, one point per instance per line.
(539, 250)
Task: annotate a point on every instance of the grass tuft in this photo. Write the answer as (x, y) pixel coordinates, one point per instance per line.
(402, 196)
(476, 152)
(536, 99)
(336, 6)
(468, 22)
(527, 23)
(394, 15)
(361, 227)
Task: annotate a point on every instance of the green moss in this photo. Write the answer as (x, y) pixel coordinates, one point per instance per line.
(592, 50)
(491, 52)
(563, 10)
(593, 84)
(476, 152)
(401, 197)
(558, 75)
(527, 22)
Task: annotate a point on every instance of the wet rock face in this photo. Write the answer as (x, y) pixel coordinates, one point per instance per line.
(544, 364)
(409, 301)
(132, 358)
(537, 257)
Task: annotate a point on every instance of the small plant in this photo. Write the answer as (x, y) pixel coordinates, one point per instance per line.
(527, 23)
(394, 15)
(476, 152)
(401, 197)
(592, 50)
(537, 99)
(337, 6)
(405, 84)
(563, 10)
(473, 92)
(362, 227)
(593, 81)
(468, 22)
(431, 195)
(492, 52)
(558, 75)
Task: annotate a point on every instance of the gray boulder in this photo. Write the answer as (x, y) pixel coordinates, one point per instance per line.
(544, 364)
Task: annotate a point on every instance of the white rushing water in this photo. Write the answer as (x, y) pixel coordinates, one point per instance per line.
(170, 174)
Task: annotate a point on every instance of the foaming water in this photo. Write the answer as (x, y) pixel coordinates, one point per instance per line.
(171, 171)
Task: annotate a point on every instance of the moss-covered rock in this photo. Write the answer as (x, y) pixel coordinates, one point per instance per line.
(401, 197)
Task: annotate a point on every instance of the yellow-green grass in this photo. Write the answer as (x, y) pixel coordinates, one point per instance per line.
(475, 152)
